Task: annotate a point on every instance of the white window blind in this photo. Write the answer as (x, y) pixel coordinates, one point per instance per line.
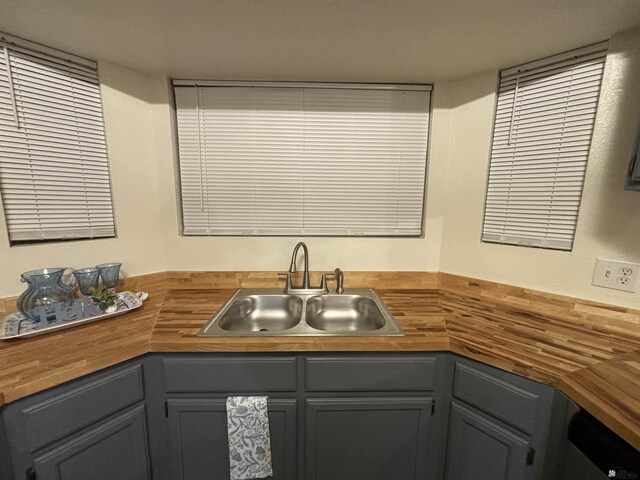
(302, 159)
(54, 173)
(542, 134)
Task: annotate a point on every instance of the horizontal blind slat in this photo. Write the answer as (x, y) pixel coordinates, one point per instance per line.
(545, 114)
(53, 165)
(301, 161)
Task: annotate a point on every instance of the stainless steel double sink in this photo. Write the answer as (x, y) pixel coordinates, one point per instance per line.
(264, 312)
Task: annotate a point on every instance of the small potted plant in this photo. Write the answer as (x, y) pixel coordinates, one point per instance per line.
(104, 299)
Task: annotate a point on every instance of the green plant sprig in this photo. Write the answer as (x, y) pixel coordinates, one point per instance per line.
(103, 298)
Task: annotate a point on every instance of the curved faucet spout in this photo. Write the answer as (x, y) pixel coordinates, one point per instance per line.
(294, 256)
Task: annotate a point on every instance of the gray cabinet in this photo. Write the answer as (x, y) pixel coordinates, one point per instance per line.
(333, 416)
(6, 472)
(481, 449)
(116, 449)
(72, 410)
(94, 427)
(380, 406)
(375, 416)
(499, 424)
(375, 438)
(219, 373)
(373, 373)
(198, 438)
(195, 388)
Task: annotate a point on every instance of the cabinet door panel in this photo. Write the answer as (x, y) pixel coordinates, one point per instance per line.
(116, 449)
(199, 443)
(378, 438)
(480, 449)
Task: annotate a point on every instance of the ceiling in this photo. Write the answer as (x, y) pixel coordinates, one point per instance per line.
(317, 40)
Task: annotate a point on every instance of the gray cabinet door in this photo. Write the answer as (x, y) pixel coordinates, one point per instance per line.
(480, 449)
(199, 444)
(115, 449)
(374, 438)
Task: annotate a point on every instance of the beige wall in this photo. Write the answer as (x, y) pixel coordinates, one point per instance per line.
(128, 122)
(609, 221)
(139, 124)
(273, 253)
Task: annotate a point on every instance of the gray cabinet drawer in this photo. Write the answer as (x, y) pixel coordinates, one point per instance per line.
(242, 374)
(514, 404)
(61, 415)
(374, 373)
(116, 449)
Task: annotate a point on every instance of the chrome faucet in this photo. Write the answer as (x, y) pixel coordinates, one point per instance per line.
(294, 257)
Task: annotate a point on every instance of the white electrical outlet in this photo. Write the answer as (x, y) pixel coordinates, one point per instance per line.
(616, 275)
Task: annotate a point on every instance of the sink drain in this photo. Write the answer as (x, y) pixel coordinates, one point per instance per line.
(263, 330)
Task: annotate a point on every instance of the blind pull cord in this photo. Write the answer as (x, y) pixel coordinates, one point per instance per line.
(199, 148)
(513, 109)
(11, 90)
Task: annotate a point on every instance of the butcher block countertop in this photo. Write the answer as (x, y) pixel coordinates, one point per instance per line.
(589, 351)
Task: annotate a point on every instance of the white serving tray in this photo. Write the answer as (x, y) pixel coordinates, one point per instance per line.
(83, 311)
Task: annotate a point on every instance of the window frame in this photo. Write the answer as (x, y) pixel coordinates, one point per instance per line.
(323, 85)
(549, 61)
(68, 61)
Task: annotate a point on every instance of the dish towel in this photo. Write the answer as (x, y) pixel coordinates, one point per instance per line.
(249, 440)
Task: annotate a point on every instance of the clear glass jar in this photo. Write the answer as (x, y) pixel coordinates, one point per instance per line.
(45, 290)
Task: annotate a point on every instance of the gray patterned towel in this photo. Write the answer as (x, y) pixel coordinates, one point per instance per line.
(249, 440)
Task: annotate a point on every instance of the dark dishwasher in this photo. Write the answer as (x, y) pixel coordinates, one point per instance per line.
(595, 452)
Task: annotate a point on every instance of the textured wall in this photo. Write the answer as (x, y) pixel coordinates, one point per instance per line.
(273, 253)
(609, 221)
(142, 154)
(128, 124)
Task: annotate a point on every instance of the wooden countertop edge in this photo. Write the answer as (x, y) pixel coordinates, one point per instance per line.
(506, 363)
(598, 406)
(300, 346)
(595, 406)
(73, 373)
(609, 407)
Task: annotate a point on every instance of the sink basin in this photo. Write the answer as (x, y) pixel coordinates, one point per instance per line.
(344, 313)
(260, 312)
